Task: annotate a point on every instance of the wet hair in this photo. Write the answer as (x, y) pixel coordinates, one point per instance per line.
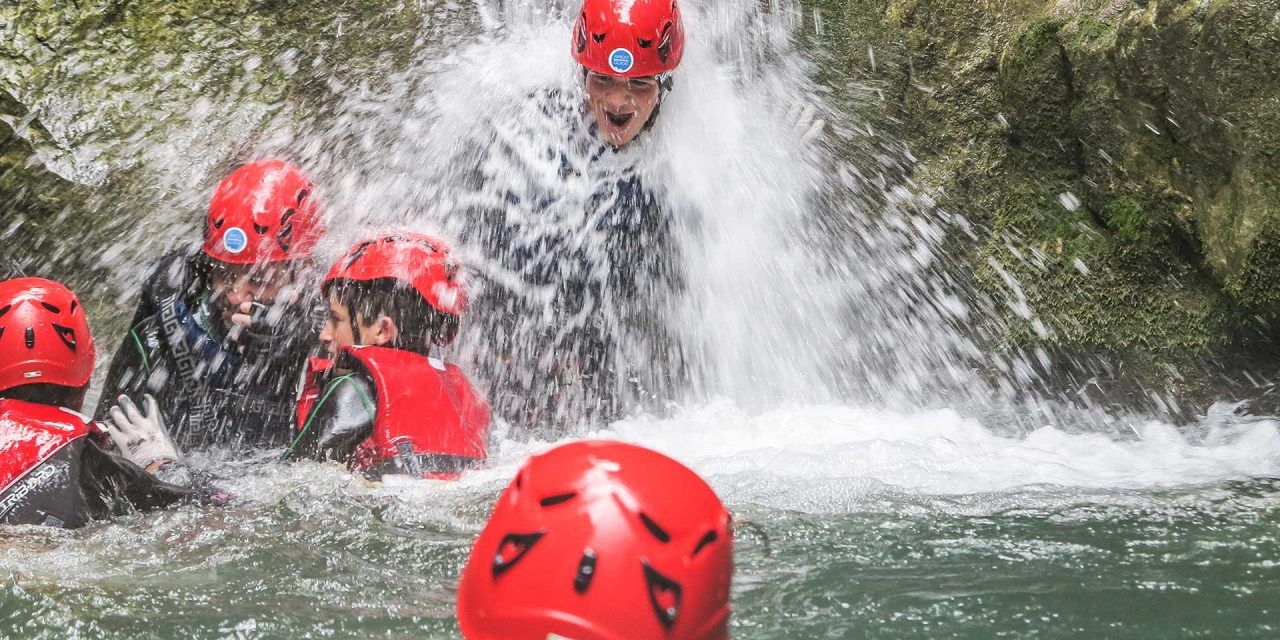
(51, 394)
(420, 325)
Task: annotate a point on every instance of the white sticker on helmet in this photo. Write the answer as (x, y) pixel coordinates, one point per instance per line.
(621, 60)
(235, 240)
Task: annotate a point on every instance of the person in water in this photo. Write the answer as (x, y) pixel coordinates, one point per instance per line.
(599, 540)
(628, 52)
(58, 467)
(583, 264)
(222, 332)
(383, 404)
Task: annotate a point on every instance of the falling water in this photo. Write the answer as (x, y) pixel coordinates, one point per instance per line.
(804, 338)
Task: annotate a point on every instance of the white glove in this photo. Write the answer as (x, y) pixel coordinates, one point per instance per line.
(140, 437)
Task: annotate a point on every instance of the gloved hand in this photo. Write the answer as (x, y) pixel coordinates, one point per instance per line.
(254, 323)
(259, 324)
(142, 438)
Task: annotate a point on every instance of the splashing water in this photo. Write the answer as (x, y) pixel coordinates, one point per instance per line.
(801, 338)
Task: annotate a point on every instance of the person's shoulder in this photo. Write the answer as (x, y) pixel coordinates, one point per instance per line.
(543, 115)
(355, 384)
(180, 271)
(453, 373)
(350, 398)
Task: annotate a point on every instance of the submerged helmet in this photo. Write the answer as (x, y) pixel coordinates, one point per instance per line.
(420, 261)
(44, 335)
(601, 540)
(629, 38)
(265, 211)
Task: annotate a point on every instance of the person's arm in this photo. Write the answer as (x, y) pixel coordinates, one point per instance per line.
(131, 364)
(143, 469)
(342, 418)
(113, 485)
(136, 358)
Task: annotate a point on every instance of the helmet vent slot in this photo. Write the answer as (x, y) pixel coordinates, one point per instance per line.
(5, 309)
(657, 531)
(664, 44)
(74, 305)
(302, 196)
(557, 500)
(707, 540)
(598, 37)
(286, 225)
(644, 44)
(664, 595)
(580, 36)
(67, 335)
(31, 337)
(512, 550)
(51, 308)
(586, 572)
(260, 229)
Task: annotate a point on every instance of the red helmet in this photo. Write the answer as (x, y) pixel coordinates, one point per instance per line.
(601, 541)
(422, 262)
(629, 38)
(263, 212)
(44, 335)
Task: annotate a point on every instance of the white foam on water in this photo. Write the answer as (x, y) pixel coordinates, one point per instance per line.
(844, 459)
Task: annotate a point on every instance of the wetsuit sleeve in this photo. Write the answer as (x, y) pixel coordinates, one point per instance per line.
(114, 486)
(139, 352)
(342, 418)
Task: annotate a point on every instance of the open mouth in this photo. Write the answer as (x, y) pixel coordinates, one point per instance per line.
(619, 120)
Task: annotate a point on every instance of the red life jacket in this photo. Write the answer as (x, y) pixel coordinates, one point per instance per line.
(430, 421)
(39, 468)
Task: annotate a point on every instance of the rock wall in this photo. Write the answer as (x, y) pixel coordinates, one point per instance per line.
(112, 106)
(1120, 154)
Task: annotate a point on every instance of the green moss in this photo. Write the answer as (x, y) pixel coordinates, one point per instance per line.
(1040, 37)
(1127, 219)
(1094, 33)
(1257, 283)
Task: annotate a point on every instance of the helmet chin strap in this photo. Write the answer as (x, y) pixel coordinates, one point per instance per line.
(666, 82)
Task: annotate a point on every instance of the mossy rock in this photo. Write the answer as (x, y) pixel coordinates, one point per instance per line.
(1160, 119)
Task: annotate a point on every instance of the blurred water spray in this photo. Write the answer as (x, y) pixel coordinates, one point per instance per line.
(792, 261)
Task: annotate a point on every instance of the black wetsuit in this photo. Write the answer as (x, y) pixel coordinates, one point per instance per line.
(570, 322)
(210, 390)
(341, 419)
(71, 479)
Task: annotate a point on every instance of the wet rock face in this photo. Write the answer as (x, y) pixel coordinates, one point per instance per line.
(108, 107)
(1121, 153)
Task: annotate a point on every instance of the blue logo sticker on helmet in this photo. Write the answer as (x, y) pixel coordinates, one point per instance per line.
(235, 240)
(621, 60)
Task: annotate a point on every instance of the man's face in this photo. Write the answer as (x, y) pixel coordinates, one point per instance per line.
(233, 285)
(621, 106)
